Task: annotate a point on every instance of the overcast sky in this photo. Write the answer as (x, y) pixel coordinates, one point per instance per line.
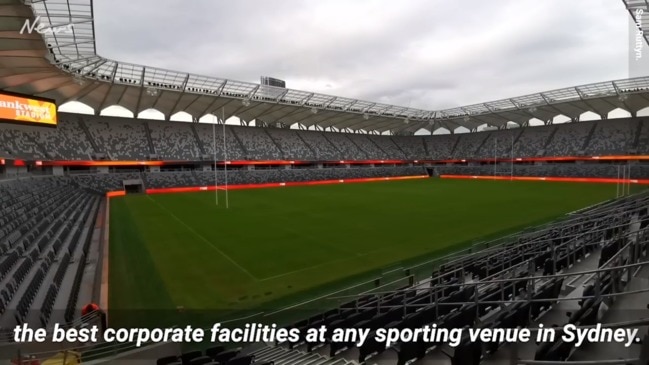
(429, 54)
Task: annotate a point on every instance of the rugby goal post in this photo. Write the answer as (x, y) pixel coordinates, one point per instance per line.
(623, 181)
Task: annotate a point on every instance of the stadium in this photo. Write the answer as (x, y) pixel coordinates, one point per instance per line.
(298, 210)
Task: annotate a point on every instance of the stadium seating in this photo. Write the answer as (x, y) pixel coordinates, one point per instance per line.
(119, 138)
(450, 300)
(174, 141)
(388, 148)
(105, 182)
(348, 150)
(469, 146)
(111, 182)
(570, 140)
(441, 147)
(532, 141)
(66, 142)
(322, 147)
(642, 144)
(257, 143)
(83, 137)
(211, 139)
(291, 144)
(614, 136)
(413, 147)
(16, 143)
(501, 144)
(46, 223)
(370, 149)
(44, 240)
(638, 171)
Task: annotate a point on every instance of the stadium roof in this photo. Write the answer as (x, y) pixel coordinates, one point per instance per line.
(60, 62)
(641, 19)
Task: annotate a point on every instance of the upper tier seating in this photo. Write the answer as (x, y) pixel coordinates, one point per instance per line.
(532, 141)
(83, 137)
(119, 138)
(569, 139)
(293, 147)
(441, 147)
(322, 147)
(174, 141)
(211, 138)
(258, 144)
(638, 171)
(613, 136)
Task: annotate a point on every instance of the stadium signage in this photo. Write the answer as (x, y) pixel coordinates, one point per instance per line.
(24, 109)
(30, 27)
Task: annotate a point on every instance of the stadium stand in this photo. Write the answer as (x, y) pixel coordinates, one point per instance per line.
(46, 226)
(638, 171)
(174, 141)
(369, 148)
(110, 182)
(612, 136)
(66, 142)
(469, 145)
(257, 143)
(389, 149)
(502, 144)
(642, 144)
(15, 142)
(570, 140)
(292, 146)
(87, 137)
(491, 288)
(165, 180)
(44, 239)
(346, 146)
(208, 136)
(105, 182)
(532, 141)
(322, 147)
(120, 138)
(441, 147)
(588, 266)
(412, 147)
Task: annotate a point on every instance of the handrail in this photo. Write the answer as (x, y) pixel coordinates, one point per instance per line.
(596, 362)
(507, 280)
(631, 205)
(519, 301)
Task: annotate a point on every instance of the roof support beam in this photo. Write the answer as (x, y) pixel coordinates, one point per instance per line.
(180, 95)
(583, 97)
(139, 97)
(277, 99)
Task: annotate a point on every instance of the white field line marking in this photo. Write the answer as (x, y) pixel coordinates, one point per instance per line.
(343, 259)
(210, 243)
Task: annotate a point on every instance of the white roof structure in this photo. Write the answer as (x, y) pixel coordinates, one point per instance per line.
(58, 60)
(641, 17)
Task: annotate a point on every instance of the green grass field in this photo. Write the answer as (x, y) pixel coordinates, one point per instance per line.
(283, 244)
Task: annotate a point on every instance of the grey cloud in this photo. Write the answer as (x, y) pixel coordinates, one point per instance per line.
(422, 53)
